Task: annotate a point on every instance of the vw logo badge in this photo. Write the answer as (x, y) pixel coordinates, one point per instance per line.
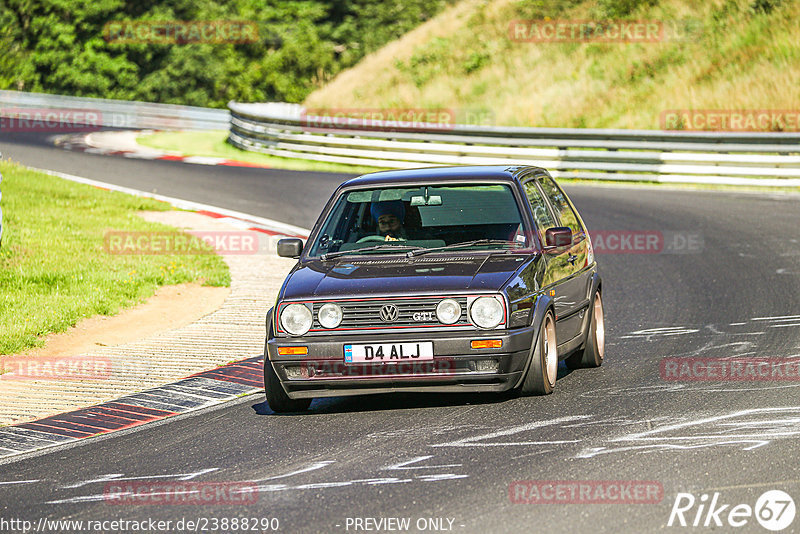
(389, 313)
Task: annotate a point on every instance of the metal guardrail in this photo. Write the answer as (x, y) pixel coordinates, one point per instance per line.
(114, 113)
(727, 158)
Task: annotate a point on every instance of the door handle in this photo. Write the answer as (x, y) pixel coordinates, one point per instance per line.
(572, 259)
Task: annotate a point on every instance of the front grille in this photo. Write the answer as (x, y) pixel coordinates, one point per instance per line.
(412, 313)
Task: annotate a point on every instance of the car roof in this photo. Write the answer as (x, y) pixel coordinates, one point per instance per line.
(510, 173)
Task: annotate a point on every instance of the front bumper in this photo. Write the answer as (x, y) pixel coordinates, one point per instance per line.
(456, 366)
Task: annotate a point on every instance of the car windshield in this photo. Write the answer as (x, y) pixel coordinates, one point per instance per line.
(401, 220)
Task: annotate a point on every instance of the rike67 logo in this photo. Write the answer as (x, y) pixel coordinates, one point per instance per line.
(774, 510)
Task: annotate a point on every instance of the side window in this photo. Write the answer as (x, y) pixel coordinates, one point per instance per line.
(541, 214)
(560, 204)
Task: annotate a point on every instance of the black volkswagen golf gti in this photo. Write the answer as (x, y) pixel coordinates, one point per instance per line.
(447, 279)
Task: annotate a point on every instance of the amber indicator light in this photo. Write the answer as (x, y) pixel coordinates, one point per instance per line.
(292, 351)
(487, 343)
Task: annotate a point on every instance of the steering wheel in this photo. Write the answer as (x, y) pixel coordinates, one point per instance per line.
(367, 239)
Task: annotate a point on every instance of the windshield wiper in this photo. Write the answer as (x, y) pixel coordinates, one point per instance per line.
(384, 246)
(421, 251)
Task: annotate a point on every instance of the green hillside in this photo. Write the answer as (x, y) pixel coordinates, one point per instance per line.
(718, 54)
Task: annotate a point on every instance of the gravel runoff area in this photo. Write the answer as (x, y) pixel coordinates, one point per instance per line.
(234, 332)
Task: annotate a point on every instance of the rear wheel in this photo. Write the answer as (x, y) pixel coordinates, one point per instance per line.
(594, 349)
(541, 377)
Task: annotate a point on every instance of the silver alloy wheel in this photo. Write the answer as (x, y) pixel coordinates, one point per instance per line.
(599, 326)
(550, 351)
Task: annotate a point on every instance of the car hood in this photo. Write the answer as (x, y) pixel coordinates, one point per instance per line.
(382, 276)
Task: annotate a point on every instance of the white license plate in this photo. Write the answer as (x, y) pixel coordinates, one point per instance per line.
(389, 352)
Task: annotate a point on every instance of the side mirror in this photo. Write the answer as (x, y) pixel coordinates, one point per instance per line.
(290, 247)
(558, 236)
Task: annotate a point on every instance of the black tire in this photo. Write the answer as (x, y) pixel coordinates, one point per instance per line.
(278, 400)
(593, 351)
(541, 376)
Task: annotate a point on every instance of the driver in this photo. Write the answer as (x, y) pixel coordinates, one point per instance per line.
(389, 216)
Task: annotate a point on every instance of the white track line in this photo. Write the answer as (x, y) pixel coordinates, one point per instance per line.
(184, 204)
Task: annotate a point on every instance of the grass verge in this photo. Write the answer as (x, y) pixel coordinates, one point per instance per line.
(54, 269)
(213, 143)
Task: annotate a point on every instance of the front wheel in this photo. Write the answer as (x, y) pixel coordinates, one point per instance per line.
(541, 377)
(594, 349)
(278, 400)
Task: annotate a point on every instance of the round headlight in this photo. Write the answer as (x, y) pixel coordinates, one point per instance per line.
(296, 319)
(330, 315)
(486, 312)
(448, 311)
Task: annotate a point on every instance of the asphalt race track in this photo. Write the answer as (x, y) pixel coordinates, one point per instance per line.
(725, 283)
